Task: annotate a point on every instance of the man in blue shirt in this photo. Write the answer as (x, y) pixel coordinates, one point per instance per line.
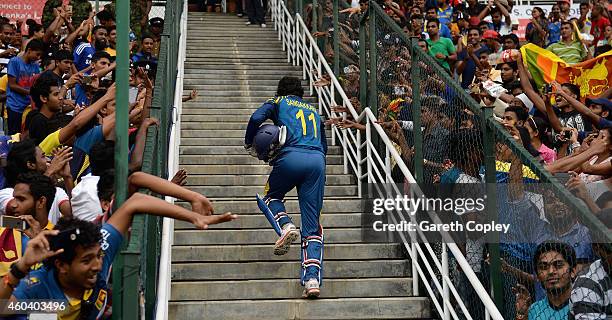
(78, 254)
(84, 51)
(22, 73)
(300, 163)
(554, 263)
(100, 60)
(467, 64)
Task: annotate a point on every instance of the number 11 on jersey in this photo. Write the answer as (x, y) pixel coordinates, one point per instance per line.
(311, 117)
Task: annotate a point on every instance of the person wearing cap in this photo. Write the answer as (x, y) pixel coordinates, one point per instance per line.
(569, 49)
(564, 9)
(442, 49)
(156, 27)
(492, 40)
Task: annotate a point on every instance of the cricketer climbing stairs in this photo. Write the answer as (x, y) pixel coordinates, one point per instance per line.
(230, 271)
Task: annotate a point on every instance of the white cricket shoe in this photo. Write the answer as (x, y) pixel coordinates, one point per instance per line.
(311, 289)
(289, 234)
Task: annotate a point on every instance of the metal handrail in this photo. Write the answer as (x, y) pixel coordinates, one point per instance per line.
(314, 65)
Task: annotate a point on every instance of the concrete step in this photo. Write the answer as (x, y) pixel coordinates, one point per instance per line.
(236, 94)
(372, 251)
(237, 191)
(189, 73)
(209, 89)
(330, 205)
(219, 83)
(283, 288)
(228, 141)
(256, 180)
(233, 74)
(245, 169)
(321, 309)
(288, 270)
(257, 221)
(259, 236)
(229, 54)
(195, 61)
(237, 159)
(234, 150)
(217, 111)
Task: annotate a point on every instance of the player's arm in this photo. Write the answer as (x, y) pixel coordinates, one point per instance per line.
(258, 117)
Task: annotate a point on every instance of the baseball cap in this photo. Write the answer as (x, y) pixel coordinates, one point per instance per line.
(490, 34)
(567, 1)
(606, 104)
(474, 21)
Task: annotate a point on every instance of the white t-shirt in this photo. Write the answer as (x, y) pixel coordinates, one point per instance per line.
(85, 201)
(61, 196)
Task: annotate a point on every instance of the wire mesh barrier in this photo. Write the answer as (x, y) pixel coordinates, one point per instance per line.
(550, 260)
(139, 269)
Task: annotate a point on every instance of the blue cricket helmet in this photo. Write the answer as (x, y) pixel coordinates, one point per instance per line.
(268, 140)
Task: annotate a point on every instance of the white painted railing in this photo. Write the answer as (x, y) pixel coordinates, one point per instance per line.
(373, 167)
(165, 259)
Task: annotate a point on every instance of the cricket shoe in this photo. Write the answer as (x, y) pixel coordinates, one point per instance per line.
(289, 234)
(311, 289)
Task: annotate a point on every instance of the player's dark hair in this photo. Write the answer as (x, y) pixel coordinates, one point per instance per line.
(86, 234)
(98, 27)
(40, 186)
(63, 55)
(290, 86)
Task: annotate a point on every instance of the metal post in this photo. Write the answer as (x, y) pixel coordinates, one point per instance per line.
(122, 309)
(445, 289)
(336, 35)
(373, 92)
(363, 67)
(416, 113)
(490, 178)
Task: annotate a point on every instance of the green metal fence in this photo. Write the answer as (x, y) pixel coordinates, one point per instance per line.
(392, 67)
(136, 268)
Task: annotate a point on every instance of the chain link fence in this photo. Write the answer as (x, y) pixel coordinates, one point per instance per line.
(555, 247)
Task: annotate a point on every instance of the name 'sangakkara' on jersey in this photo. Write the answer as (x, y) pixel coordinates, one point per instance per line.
(304, 126)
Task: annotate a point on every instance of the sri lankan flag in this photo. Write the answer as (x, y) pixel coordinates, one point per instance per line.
(10, 248)
(593, 76)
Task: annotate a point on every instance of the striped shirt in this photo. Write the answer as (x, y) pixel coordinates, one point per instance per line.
(571, 53)
(592, 294)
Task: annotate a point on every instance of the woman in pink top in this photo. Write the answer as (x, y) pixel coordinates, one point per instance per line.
(537, 132)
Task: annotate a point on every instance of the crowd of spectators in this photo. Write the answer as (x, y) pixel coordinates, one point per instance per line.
(57, 91)
(554, 267)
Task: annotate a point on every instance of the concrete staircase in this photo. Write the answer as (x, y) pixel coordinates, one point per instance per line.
(230, 271)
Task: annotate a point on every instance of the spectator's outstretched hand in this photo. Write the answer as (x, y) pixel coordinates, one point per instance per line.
(202, 222)
(351, 11)
(202, 206)
(37, 250)
(180, 178)
(577, 186)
